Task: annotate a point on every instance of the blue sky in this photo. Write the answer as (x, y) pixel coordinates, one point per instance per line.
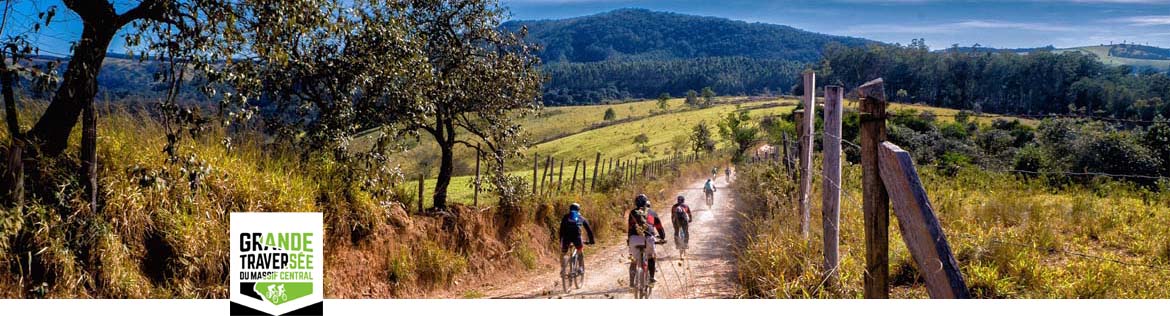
(1010, 24)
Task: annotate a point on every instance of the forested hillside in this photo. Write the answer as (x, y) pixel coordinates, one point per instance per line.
(637, 53)
(1040, 82)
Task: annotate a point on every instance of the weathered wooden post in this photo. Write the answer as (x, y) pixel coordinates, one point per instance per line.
(875, 201)
(806, 147)
(546, 179)
(478, 156)
(634, 170)
(787, 158)
(830, 187)
(596, 165)
(920, 228)
(573, 182)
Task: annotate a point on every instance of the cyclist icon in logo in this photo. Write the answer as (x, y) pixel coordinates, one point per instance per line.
(276, 294)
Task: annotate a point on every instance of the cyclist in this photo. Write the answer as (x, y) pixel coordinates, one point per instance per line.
(681, 217)
(709, 188)
(728, 172)
(643, 223)
(570, 232)
(714, 171)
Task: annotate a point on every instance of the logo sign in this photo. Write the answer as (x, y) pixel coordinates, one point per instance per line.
(276, 264)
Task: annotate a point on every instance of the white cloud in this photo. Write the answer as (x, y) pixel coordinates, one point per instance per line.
(1145, 20)
(956, 27)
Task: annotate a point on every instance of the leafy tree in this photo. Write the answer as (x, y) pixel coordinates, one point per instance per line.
(692, 98)
(737, 129)
(701, 138)
(610, 114)
(1157, 139)
(480, 76)
(662, 100)
(708, 96)
(641, 140)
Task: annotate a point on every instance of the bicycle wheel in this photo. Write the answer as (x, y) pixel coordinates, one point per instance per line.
(565, 274)
(578, 272)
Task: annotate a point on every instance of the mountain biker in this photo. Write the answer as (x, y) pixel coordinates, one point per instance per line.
(570, 232)
(714, 172)
(681, 216)
(643, 223)
(709, 187)
(728, 172)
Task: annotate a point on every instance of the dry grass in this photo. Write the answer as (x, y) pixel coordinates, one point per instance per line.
(1013, 238)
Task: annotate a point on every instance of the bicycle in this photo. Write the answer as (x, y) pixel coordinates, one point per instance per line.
(640, 271)
(710, 195)
(572, 270)
(682, 233)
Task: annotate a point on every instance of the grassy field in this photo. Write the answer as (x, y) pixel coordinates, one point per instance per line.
(1102, 53)
(1013, 238)
(613, 141)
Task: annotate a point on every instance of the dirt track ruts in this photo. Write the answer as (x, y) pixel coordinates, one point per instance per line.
(707, 271)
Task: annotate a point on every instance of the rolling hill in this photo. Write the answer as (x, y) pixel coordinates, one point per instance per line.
(1133, 55)
(639, 34)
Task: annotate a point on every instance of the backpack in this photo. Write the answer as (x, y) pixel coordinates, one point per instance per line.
(642, 220)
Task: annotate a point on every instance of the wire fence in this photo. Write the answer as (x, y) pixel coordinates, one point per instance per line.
(970, 237)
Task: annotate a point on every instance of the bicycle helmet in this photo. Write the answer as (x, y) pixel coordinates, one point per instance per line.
(681, 199)
(574, 207)
(641, 201)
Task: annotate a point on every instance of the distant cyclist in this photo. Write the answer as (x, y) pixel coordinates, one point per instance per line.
(681, 217)
(714, 172)
(709, 191)
(728, 172)
(643, 223)
(570, 232)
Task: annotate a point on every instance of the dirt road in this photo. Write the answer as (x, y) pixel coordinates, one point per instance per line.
(707, 271)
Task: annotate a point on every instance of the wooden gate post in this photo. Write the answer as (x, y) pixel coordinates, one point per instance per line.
(875, 201)
(919, 226)
(830, 187)
(806, 147)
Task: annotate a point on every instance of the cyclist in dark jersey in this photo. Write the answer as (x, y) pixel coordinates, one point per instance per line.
(570, 231)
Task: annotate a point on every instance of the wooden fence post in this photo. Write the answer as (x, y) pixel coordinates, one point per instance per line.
(561, 175)
(596, 165)
(634, 170)
(919, 226)
(787, 158)
(806, 142)
(546, 179)
(875, 201)
(573, 182)
(830, 187)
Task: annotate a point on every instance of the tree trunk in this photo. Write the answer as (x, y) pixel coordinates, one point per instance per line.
(14, 180)
(446, 168)
(77, 90)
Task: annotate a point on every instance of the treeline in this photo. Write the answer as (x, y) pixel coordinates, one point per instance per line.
(640, 34)
(1059, 149)
(1039, 82)
(592, 83)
